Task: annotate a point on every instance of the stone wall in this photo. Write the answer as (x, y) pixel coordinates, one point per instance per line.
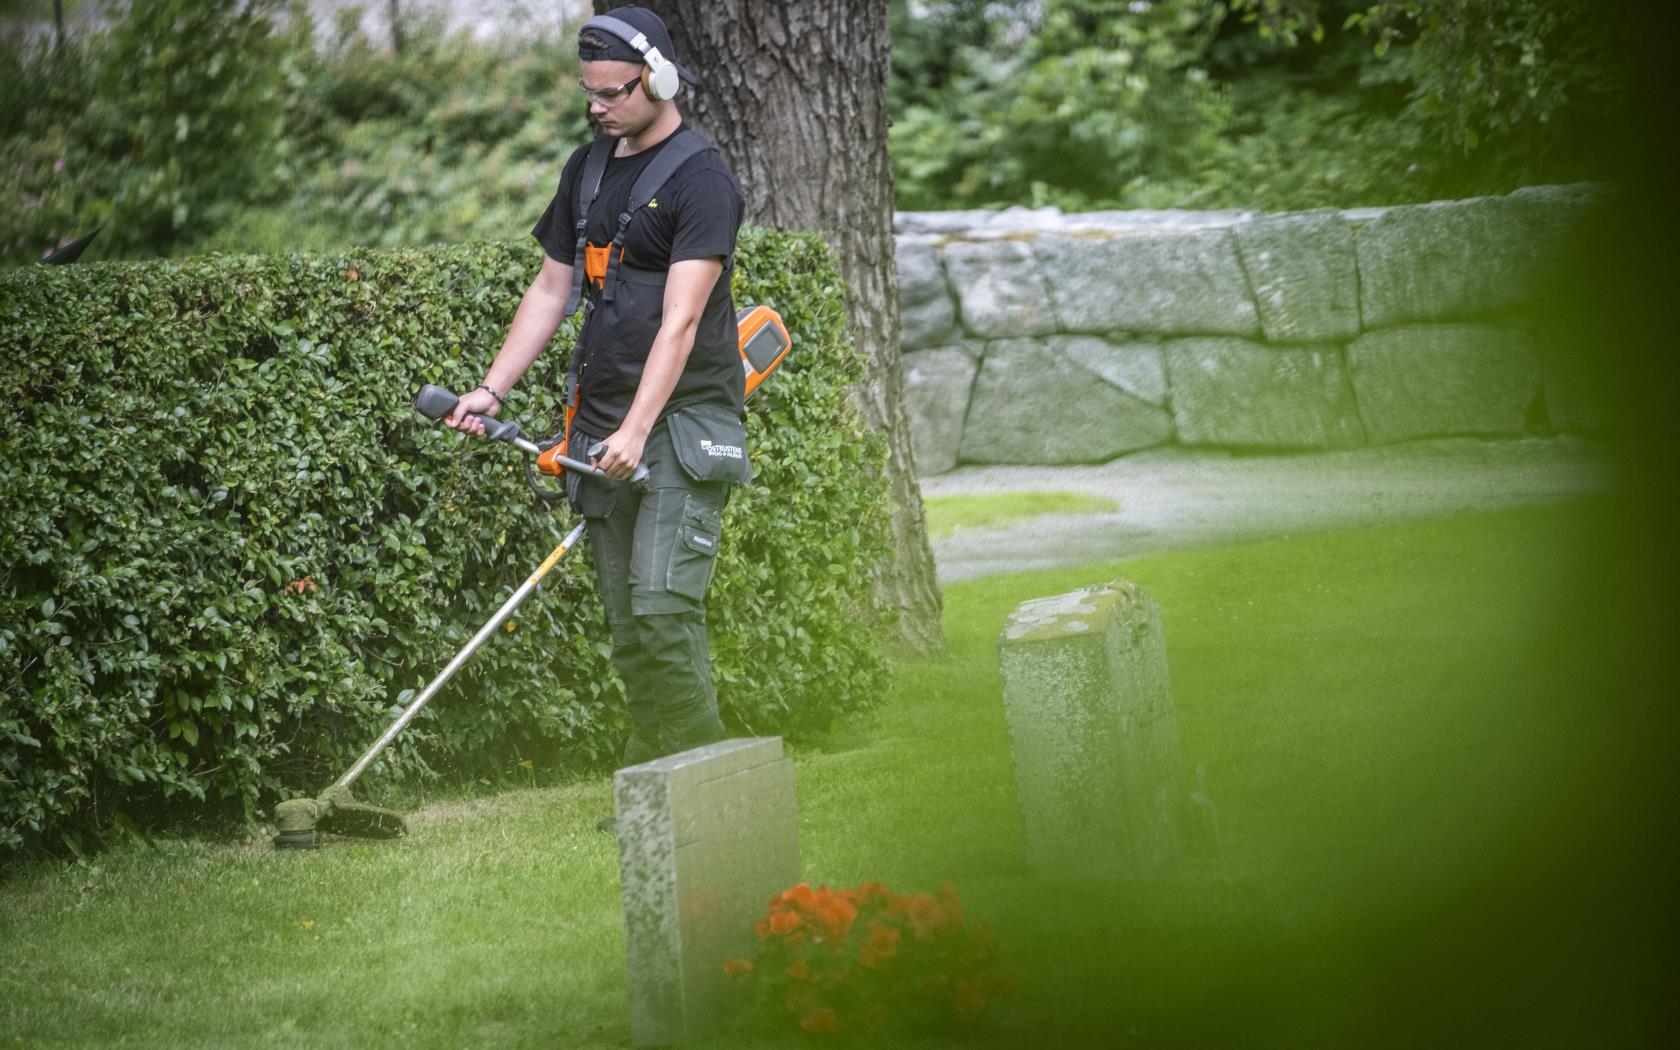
(1030, 336)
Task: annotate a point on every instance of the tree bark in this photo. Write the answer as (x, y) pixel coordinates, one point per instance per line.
(397, 34)
(795, 96)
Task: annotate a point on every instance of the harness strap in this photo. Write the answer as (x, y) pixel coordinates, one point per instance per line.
(588, 185)
(678, 149)
(685, 144)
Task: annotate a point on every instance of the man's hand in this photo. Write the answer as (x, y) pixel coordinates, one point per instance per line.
(476, 400)
(623, 451)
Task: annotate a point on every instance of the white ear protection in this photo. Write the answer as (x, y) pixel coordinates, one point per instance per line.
(659, 74)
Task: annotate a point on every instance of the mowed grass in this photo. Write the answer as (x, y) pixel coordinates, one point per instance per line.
(1426, 770)
(947, 514)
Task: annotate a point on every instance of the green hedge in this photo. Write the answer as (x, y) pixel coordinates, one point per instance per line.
(232, 550)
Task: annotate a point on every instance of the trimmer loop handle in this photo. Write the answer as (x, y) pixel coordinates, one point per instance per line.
(434, 402)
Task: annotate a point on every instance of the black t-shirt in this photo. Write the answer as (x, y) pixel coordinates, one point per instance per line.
(694, 215)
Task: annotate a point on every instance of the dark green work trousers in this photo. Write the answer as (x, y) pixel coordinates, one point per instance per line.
(654, 548)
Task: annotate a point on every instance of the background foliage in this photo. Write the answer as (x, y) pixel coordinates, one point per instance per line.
(1271, 104)
(233, 549)
(246, 126)
(240, 126)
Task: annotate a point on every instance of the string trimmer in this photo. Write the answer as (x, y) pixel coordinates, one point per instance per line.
(764, 343)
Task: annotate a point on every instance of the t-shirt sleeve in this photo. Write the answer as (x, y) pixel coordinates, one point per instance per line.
(556, 231)
(709, 210)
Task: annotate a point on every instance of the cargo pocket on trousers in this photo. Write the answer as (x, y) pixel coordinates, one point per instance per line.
(695, 553)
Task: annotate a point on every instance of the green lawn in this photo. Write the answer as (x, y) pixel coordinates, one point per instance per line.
(1425, 770)
(946, 514)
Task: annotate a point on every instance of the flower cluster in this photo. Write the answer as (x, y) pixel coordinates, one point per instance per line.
(869, 958)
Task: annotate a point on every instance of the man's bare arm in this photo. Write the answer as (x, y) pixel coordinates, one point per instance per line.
(539, 315)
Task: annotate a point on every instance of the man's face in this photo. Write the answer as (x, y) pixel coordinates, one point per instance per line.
(630, 114)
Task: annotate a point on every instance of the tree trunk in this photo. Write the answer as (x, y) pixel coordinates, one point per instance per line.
(795, 95)
(397, 35)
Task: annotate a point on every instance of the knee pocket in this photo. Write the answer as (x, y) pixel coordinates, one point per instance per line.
(694, 554)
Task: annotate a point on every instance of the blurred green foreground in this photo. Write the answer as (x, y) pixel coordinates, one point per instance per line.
(1428, 745)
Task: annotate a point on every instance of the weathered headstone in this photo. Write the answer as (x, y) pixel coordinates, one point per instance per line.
(1092, 732)
(705, 838)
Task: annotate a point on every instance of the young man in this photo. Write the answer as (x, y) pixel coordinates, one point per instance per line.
(656, 375)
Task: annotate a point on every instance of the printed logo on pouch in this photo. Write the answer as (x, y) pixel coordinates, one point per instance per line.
(722, 451)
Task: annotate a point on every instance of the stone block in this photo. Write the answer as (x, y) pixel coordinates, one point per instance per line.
(1428, 380)
(1032, 404)
(705, 838)
(936, 388)
(1235, 393)
(1303, 274)
(926, 315)
(1459, 260)
(1000, 290)
(1169, 281)
(1092, 732)
(1133, 367)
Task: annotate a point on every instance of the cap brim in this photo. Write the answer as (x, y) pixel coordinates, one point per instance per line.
(687, 77)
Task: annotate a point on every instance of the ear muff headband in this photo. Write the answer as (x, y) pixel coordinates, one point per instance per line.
(659, 76)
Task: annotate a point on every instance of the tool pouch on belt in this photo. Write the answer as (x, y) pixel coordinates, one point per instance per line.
(590, 497)
(711, 444)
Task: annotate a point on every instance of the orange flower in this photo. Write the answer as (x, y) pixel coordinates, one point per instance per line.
(836, 914)
(783, 921)
(738, 966)
(881, 945)
(797, 970)
(801, 896)
(820, 1020)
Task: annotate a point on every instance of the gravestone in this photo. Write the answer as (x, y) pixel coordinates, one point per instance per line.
(705, 838)
(1092, 732)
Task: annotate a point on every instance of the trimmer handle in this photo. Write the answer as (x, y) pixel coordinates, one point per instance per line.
(637, 476)
(434, 402)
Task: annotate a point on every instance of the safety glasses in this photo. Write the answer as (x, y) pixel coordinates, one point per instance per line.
(609, 96)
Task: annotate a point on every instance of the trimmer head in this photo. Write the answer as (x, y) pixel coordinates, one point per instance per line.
(300, 822)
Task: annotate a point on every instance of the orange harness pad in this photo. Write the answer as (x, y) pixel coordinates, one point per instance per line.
(595, 263)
